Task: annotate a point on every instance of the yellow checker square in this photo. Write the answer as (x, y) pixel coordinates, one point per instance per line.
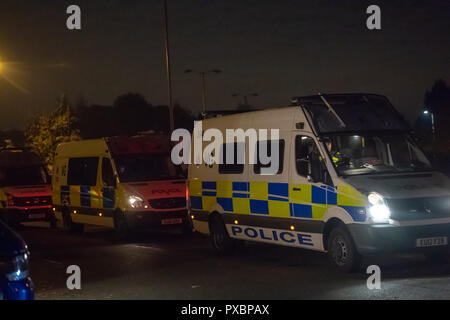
(96, 199)
(318, 211)
(259, 190)
(348, 196)
(75, 200)
(224, 189)
(208, 203)
(195, 187)
(300, 196)
(279, 209)
(241, 205)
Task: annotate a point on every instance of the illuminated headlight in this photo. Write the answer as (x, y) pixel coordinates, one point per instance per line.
(135, 202)
(378, 209)
(15, 268)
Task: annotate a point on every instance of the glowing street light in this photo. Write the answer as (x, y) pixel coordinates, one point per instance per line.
(433, 127)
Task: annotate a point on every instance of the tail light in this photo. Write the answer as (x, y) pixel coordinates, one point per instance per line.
(10, 200)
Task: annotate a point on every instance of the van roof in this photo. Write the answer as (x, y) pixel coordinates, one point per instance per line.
(116, 144)
(283, 118)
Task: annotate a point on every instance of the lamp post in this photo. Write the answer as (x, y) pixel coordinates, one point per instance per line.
(169, 78)
(245, 96)
(203, 84)
(433, 126)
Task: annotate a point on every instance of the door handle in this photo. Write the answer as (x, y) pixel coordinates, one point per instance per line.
(296, 189)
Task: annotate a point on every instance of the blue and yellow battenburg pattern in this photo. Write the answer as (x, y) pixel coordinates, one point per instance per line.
(87, 196)
(282, 200)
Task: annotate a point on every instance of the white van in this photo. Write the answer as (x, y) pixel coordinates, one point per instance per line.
(351, 182)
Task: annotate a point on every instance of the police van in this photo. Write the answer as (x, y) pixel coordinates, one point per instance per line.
(351, 181)
(119, 182)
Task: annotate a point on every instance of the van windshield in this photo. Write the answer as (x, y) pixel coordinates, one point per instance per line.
(145, 167)
(359, 112)
(22, 176)
(354, 154)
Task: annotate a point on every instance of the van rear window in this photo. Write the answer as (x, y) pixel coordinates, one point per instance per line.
(257, 167)
(235, 167)
(82, 171)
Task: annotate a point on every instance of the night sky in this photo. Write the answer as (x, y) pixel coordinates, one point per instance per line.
(278, 49)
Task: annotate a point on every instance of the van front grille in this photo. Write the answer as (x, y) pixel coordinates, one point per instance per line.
(168, 203)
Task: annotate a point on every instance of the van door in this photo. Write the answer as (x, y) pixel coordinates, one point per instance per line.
(307, 188)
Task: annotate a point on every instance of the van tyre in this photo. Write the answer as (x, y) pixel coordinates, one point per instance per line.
(187, 228)
(123, 231)
(342, 252)
(69, 225)
(220, 239)
(52, 221)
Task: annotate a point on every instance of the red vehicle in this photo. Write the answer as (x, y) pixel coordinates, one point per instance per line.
(25, 190)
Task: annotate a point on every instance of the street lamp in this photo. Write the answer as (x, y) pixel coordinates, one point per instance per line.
(245, 96)
(433, 127)
(168, 71)
(203, 84)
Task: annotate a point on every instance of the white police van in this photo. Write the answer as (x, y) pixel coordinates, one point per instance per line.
(351, 181)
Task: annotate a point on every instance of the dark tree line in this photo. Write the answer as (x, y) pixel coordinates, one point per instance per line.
(129, 115)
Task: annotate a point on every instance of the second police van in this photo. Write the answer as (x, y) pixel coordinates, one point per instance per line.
(351, 182)
(119, 182)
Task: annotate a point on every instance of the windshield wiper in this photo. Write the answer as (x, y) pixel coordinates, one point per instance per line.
(330, 108)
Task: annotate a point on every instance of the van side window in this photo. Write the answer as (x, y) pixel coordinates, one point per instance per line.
(258, 165)
(82, 171)
(305, 148)
(107, 172)
(234, 167)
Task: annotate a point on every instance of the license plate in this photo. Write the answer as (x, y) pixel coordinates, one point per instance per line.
(36, 216)
(431, 242)
(171, 221)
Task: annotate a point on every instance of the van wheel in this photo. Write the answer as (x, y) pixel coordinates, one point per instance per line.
(52, 221)
(68, 224)
(220, 239)
(121, 226)
(187, 228)
(341, 250)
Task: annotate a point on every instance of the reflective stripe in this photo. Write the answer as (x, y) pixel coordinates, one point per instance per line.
(276, 199)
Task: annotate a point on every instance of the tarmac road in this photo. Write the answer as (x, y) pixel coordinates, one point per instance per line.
(170, 265)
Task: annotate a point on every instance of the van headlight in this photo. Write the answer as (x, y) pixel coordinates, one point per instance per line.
(15, 268)
(135, 202)
(378, 209)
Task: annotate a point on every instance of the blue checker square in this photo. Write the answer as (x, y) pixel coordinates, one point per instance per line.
(279, 189)
(259, 206)
(211, 185)
(240, 186)
(196, 202)
(318, 195)
(226, 203)
(301, 210)
(331, 197)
